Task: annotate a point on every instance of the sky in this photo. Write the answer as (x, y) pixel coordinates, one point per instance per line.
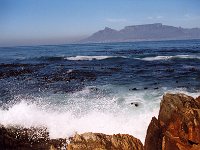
(36, 22)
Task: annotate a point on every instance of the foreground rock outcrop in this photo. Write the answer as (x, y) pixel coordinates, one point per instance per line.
(28, 139)
(38, 139)
(177, 126)
(99, 141)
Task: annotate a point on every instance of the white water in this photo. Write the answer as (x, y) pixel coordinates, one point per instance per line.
(85, 112)
(75, 58)
(170, 57)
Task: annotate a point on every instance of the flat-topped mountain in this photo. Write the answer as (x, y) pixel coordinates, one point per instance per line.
(146, 32)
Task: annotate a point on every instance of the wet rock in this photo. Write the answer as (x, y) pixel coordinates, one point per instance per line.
(177, 126)
(169, 70)
(133, 89)
(28, 139)
(94, 89)
(153, 139)
(38, 139)
(145, 88)
(14, 73)
(15, 70)
(99, 141)
(156, 88)
(193, 69)
(115, 69)
(135, 104)
(14, 65)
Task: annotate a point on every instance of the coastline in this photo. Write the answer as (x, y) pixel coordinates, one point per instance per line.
(177, 127)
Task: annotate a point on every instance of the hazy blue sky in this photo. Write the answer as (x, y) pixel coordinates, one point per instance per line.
(28, 22)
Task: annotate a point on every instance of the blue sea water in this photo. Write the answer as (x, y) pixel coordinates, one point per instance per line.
(107, 87)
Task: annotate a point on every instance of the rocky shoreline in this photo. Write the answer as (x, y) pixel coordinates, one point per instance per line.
(176, 128)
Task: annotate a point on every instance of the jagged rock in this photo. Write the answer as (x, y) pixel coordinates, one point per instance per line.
(177, 126)
(99, 141)
(38, 139)
(28, 139)
(153, 137)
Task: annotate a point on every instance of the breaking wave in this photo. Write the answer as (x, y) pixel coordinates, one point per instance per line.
(86, 111)
(92, 57)
(169, 57)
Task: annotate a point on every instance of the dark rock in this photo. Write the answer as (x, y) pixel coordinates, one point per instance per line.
(193, 69)
(169, 70)
(94, 89)
(28, 139)
(134, 89)
(135, 104)
(14, 73)
(15, 70)
(145, 88)
(14, 65)
(114, 69)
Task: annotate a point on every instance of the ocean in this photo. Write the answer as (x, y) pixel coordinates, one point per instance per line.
(109, 87)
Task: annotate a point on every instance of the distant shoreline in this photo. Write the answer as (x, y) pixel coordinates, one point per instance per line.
(136, 41)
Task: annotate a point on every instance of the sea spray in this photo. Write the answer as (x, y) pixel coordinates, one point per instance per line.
(109, 114)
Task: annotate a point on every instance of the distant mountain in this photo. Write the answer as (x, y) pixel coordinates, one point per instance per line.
(146, 32)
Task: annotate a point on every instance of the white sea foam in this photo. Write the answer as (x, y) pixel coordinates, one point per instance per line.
(65, 124)
(169, 57)
(91, 57)
(108, 114)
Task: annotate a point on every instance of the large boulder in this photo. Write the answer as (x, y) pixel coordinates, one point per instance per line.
(177, 126)
(99, 141)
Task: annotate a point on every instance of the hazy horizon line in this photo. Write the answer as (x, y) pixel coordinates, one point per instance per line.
(69, 40)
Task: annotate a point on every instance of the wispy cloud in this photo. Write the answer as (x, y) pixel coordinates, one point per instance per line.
(190, 17)
(159, 17)
(116, 20)
(155, 17)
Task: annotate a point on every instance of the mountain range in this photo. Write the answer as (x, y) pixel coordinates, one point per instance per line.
(145, 32)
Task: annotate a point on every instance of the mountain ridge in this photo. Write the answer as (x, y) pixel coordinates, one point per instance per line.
(144, 32)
